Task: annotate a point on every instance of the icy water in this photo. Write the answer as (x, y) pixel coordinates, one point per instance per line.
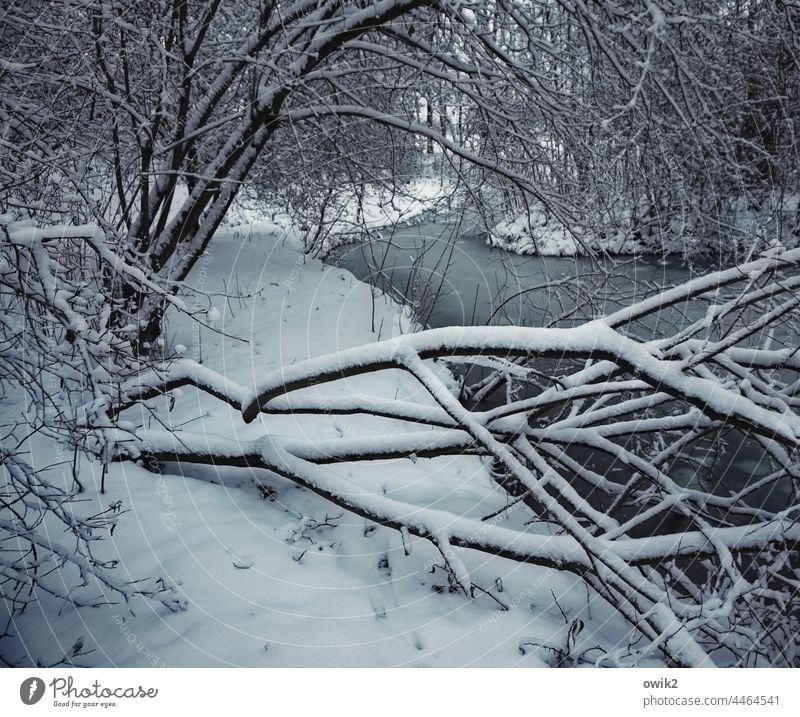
(451, 279)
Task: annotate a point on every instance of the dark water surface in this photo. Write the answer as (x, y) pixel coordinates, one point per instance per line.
(450, 279)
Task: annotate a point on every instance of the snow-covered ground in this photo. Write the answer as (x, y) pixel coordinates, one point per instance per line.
(273, 574)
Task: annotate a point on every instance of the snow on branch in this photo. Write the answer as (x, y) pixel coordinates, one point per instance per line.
(640, 408)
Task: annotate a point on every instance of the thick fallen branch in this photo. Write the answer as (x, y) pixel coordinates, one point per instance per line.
(679, 561)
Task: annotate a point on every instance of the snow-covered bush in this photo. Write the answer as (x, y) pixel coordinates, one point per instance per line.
(61, 348)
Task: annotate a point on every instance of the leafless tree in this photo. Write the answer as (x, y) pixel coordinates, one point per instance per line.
(130, 128)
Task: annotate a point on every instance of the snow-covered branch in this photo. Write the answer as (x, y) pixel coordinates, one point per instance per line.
(639, 408)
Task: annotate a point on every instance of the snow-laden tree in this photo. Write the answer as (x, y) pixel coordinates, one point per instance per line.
(614, 118)
(130, 128)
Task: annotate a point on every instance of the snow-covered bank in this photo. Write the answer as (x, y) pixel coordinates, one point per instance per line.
(352, 210)
(536, 231)
(273, 574)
